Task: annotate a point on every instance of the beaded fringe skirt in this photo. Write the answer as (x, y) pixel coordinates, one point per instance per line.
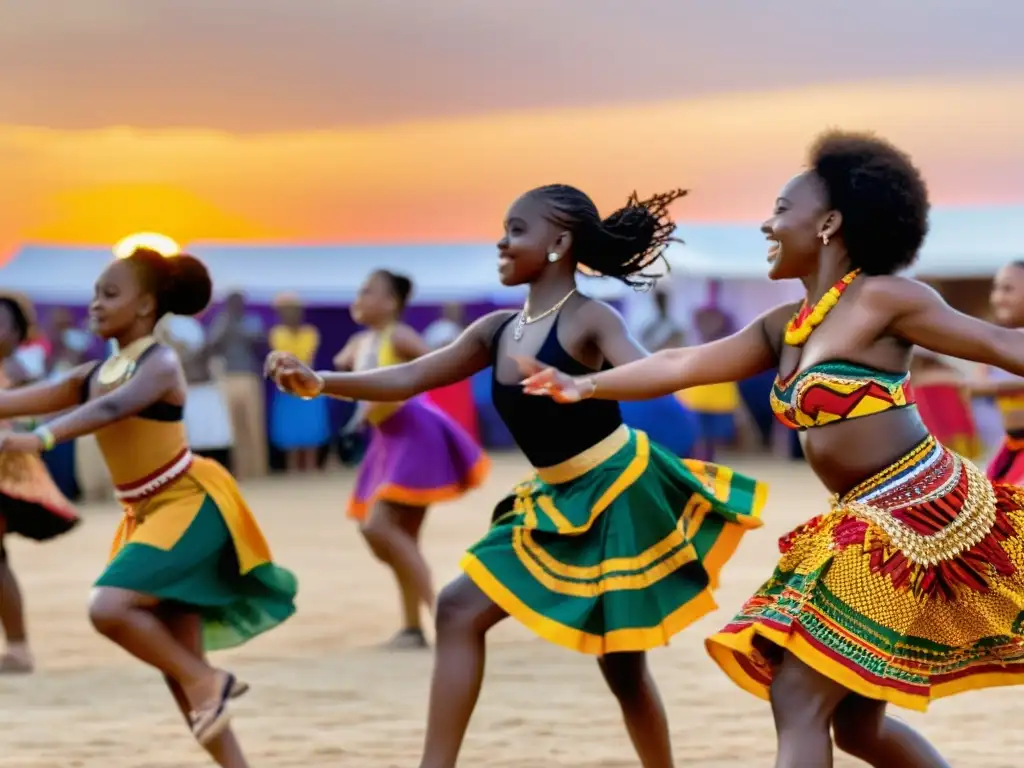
(910, 589)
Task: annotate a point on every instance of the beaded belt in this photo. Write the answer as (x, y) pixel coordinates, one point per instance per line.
(155, 481)
(935, 475)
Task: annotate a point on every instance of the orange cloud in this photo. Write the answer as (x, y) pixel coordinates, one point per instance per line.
(450, 180)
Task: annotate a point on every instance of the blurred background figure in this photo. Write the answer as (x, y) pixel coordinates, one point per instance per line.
(446, 328)
(237, 338)
(662, 331)
(716, 405)
(298, 428)
(207, 415)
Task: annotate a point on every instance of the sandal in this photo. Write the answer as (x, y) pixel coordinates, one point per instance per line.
(208, 724)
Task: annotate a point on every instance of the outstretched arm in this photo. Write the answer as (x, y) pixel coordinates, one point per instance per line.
(733, 358)
(470, 353)
(157, 377)
(922, 317)
(45, 396)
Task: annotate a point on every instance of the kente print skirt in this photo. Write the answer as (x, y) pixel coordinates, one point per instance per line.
(910, 589)
(616, 549)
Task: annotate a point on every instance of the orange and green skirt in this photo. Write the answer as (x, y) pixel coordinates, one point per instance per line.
(616, 549)
(909, 590)
(197, 544)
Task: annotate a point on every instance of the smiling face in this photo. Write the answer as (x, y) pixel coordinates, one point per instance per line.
(375, 303)
(530, 235)
(1007, 296)
(801, 212)
(119, 301)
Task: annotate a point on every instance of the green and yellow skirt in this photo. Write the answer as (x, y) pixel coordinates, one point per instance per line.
(197, 544)
(910, 589)
(616, 549)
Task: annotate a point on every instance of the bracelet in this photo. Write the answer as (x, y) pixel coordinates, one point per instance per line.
(45, 436)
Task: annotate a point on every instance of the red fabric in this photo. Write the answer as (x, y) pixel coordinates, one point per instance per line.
(456, 400)
(947, 415)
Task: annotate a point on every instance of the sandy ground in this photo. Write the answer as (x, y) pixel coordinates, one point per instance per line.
(324, 696)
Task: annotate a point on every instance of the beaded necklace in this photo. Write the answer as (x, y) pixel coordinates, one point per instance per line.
(799, 328)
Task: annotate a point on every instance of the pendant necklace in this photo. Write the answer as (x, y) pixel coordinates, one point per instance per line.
(524, 319)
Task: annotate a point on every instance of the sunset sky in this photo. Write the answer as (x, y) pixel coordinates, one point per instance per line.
(397, 120)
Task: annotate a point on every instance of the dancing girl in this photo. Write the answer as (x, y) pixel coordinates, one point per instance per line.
(417, 455)
(910, 587)
(31, 505)
(615, 544)
(190, 570)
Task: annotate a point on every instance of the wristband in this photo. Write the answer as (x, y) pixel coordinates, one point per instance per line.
(45, 436)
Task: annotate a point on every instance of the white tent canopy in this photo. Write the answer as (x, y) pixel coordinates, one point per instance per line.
(962, 243)
(318, 274)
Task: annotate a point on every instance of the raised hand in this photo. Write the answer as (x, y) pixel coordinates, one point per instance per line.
(292, 376)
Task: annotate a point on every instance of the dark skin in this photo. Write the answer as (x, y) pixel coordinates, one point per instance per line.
(139, 623)
(12, 611)
(590, 331)
(877, 323)
(392, 530)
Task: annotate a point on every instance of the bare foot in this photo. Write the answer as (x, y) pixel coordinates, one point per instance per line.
(407, 639)
(17, 660)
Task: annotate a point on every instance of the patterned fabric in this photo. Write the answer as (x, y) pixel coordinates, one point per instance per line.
(910, 589)
(617, 549)
(31, 504)
(836, 391)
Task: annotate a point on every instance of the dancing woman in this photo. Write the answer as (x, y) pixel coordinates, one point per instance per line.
(615, 544)
(31, 505)
(911, 586)
(190, 570)
(417, 455)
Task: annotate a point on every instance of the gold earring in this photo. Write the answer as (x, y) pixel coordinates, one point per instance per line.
(553, 257)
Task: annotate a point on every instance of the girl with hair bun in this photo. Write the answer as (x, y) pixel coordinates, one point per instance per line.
(190, 570)
(417, 456)
(613, 545)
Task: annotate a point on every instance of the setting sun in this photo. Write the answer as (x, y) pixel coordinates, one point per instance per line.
(155, 242)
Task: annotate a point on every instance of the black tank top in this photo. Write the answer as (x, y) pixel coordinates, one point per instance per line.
(547, 432)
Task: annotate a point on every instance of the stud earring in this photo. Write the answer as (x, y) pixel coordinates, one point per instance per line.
(553, 257)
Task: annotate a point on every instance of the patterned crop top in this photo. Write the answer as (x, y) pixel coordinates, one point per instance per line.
(837, 390)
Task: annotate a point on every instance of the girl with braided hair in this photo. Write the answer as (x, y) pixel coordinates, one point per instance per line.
(613, 545)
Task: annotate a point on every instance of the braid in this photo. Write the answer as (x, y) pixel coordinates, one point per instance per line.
(623, 245)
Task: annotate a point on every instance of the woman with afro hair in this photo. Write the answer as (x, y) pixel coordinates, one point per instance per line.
(910, 586)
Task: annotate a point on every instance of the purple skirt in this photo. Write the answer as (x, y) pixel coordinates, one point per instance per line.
(417, 457)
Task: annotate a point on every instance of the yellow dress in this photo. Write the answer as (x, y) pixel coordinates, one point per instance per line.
(187, 536)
